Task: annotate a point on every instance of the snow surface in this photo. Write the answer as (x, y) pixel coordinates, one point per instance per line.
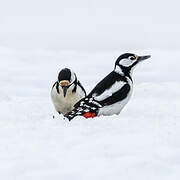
(140, 143)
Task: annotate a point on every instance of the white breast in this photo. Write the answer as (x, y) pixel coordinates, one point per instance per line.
(65, 105)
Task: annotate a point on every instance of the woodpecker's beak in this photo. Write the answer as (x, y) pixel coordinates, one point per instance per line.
(142, 58)
(65, 85)
(65, 88)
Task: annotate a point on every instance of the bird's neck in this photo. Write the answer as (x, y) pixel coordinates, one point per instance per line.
(119, 70)
(123, 71)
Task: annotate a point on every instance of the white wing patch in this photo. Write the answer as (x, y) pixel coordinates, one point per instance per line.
(107, 93)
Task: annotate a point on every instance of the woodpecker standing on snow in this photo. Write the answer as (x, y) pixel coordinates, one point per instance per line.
(112, 93)
(66, 91)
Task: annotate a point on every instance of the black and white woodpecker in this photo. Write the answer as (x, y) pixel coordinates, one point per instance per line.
(66, 91)
(111, 94)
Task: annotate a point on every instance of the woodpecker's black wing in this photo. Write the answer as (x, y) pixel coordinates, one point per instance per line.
(107, 83)
(113, 88)
(116, 96)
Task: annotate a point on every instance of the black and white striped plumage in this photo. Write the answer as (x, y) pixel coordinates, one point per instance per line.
(112, 93)
(66, 91)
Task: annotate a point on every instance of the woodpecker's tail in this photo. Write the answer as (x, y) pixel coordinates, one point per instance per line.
(86, 107)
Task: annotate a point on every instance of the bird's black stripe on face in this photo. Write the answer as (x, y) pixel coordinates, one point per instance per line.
(80, 85)
(54, 84)
(75, 86)
(64, 74)
(116, 97)
(57, 87)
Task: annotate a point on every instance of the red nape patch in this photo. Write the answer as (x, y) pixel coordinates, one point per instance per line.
(89, 115)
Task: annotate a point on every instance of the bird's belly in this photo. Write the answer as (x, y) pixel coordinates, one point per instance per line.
(114, 108)
(65, 105)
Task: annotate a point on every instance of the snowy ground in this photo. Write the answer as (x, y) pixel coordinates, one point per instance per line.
(141, 143)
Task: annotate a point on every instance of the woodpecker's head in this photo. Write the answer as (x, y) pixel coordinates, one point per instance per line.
(66, 79)
(126, 62)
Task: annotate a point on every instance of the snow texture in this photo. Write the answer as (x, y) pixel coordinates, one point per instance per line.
(140, 143)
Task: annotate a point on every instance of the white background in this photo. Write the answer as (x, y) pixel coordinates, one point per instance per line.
(38, 39)
(90, 24)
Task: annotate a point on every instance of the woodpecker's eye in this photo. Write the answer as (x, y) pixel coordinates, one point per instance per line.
(132, 58)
